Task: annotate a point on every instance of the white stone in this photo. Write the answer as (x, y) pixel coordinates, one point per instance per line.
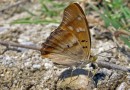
(36, 66)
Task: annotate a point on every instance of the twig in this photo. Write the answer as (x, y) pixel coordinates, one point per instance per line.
(16, 4)
(19, 45)
(100, 63)
(112, 66)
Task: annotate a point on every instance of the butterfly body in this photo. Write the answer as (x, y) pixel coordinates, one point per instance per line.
(70, 43)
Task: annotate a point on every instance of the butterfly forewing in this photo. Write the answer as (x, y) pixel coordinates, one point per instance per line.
(75, 21)
(70, 42)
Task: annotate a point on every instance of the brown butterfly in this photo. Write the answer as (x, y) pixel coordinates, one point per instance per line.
(70, 43)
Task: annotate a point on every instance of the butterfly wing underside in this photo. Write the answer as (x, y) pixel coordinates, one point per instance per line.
(70, 43)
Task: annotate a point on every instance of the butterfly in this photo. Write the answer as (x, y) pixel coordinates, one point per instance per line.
(70, 43)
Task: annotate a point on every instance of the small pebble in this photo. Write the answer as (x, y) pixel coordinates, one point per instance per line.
(122, 86)
(48, 65)
(36, 66)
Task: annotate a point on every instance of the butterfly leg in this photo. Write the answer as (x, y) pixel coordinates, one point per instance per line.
(71, 74)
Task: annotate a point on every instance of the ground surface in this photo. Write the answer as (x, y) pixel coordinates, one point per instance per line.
(24, 69)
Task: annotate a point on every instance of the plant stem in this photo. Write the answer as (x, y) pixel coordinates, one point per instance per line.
(112, 66)
(5, 43)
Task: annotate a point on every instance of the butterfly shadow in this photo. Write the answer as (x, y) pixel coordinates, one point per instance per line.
(74, 72)
(73, 77)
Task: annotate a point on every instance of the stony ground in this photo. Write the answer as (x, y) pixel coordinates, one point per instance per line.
(24, 69)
